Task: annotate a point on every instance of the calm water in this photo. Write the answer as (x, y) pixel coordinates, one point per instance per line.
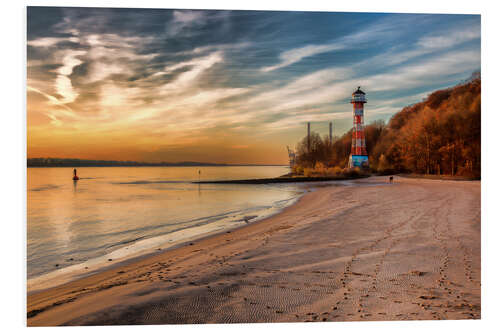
(116, 211)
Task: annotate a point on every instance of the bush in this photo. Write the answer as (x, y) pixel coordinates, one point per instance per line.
(308, 172)
(298, 170)
(352, 172)
(335, 171)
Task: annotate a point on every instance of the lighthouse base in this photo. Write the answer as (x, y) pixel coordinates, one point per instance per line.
(360, 161)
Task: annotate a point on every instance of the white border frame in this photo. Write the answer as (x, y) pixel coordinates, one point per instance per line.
(13, 277)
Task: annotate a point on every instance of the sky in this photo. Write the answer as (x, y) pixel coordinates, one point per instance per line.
(226, 86)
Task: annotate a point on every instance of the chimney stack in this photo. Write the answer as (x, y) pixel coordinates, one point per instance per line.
(308, 137)
(331, 137)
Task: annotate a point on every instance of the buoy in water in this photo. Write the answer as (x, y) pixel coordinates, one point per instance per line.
(75, 177)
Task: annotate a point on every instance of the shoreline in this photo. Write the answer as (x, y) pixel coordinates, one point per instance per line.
(282, 179)
(101, 264)
(276, 259)
(148, 257)
(96, 265)
(154, 165)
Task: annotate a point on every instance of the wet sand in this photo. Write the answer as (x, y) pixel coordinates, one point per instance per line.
(377, 251)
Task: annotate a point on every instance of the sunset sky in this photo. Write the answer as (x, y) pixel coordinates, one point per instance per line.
(225, 86)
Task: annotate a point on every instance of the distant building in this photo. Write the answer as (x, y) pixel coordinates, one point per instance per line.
(358, 156)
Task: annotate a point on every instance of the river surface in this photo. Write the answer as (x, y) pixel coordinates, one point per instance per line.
(113, 212)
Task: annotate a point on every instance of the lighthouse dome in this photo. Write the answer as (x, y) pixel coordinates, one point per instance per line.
(358, 91)
(358, 96)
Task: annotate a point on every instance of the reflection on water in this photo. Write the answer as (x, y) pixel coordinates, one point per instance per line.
(112, 207)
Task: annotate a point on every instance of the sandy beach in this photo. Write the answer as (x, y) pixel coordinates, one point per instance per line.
(372, 251)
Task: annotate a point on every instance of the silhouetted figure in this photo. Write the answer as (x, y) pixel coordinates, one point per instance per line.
(391, 178)
(75, 177)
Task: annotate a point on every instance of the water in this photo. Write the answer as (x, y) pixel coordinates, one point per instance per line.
(114, 212)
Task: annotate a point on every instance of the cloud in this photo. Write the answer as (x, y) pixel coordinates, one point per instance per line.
(56, 109)
(381, 29)
(70, 61)
(50, 98)
(63, 82)
(183, 19)
(197, 67)
(434, 69)
(207, 98)
(103, 45)
(100, 70)
(295, 121)
(110, 54)
(295, 55)
(50, 41)
(443, 42)
(314, 88)
(187, 17)
(65, 89)
(450, 38)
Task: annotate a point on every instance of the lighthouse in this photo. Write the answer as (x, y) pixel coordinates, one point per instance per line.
(359, 156)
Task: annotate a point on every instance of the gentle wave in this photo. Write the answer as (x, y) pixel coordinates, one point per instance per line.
(45, 188)
(145, 182)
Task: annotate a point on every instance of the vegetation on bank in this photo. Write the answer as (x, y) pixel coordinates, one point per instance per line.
(439, 136)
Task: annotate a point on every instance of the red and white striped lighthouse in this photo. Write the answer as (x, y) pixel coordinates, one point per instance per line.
(359, 156)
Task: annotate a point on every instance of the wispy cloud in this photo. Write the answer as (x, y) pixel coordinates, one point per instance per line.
(381, 29)
(442, 42)
(295, 55)
(63, 82)
(420, 73)
(183, 19)
(51, 41)
(449, 38)
(197, 67)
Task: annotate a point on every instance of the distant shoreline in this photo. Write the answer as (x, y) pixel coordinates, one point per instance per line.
(172, 165)
(78, 163)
